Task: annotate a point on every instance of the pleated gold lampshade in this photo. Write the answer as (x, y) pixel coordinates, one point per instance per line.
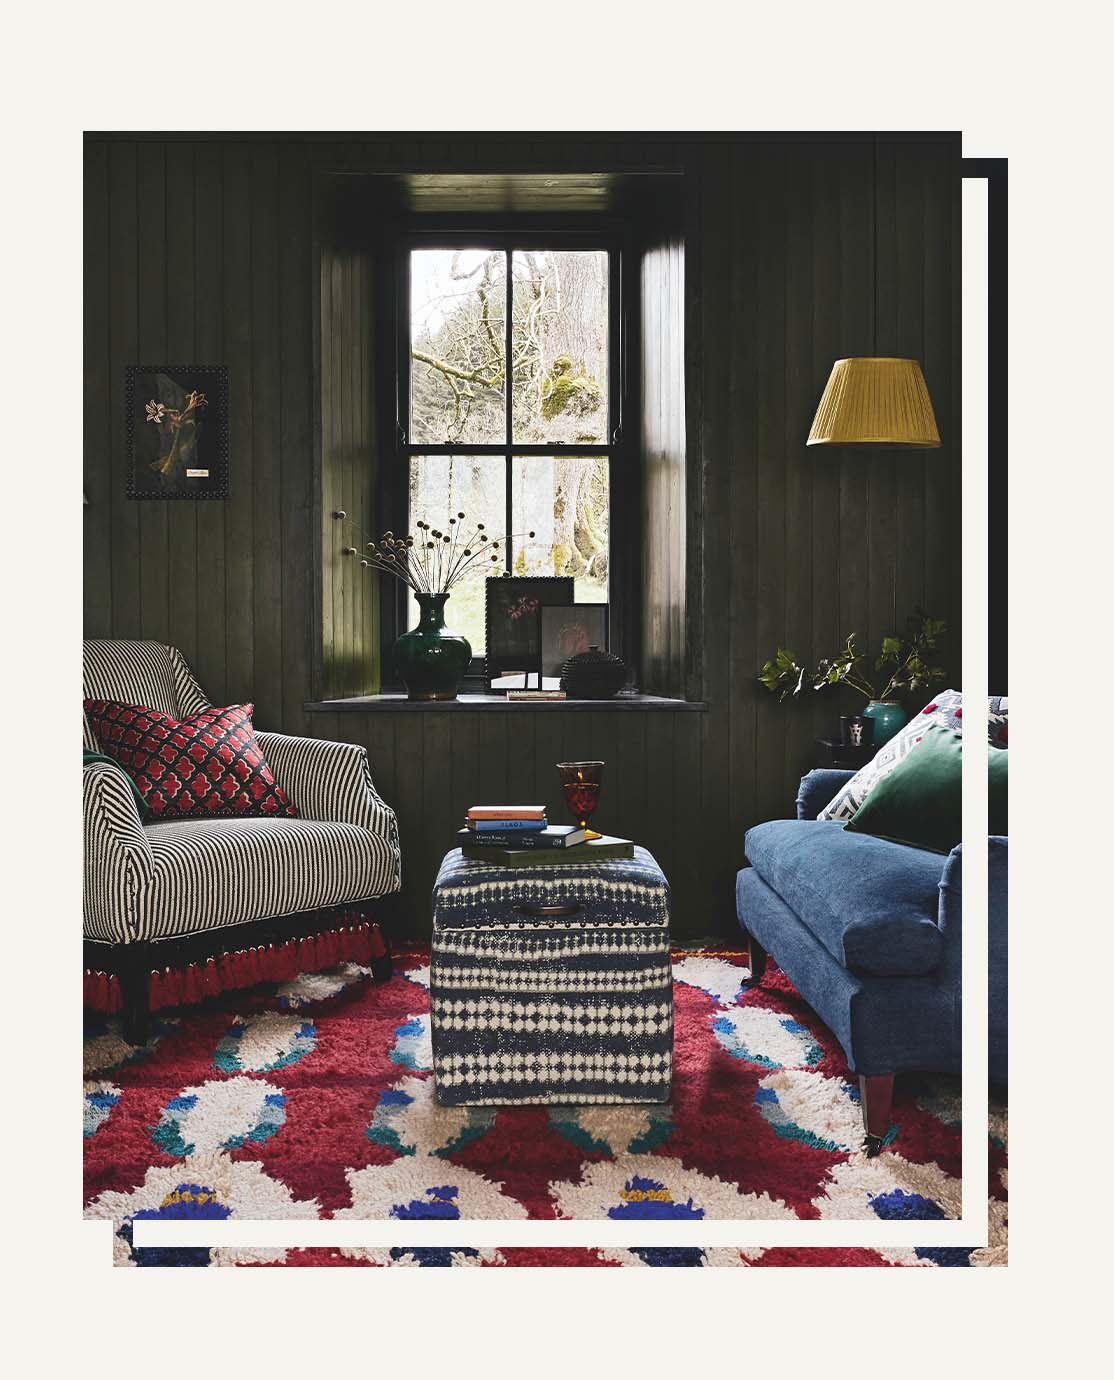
(875, 402)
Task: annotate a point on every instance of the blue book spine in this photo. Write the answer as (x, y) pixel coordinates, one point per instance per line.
(507, 826)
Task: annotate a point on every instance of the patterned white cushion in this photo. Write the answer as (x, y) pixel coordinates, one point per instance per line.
(999, 721)
(945, 708)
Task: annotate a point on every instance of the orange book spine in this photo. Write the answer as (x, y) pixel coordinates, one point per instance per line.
(507, 812)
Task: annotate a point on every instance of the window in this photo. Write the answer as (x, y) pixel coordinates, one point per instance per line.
(525, 448)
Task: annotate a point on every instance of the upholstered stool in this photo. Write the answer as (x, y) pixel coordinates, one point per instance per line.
(551, 983)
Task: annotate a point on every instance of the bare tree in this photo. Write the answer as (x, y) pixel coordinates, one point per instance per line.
(558, 383)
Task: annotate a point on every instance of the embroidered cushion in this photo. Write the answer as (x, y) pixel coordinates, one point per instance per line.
(208, 765)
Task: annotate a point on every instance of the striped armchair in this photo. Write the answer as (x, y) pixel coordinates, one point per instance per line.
(167, 896)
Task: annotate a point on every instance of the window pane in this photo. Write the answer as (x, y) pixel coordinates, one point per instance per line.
(441, 487)
(563, 500)
(560, 341)
(457, 346)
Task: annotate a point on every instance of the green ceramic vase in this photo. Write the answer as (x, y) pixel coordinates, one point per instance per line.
(888, 717)
(430, 660)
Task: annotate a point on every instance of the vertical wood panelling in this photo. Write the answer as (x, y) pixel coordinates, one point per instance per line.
(770, 463)
(239, 513)
(908, 251)
(856, 297)
(742, 494)
(799, 463)
(940, 292)
(701, 778)
(181, 307)
(884, 465)
(267, 496)
(211, 660)
(295, 348)
(98, 471)
(154, 588)
(825, 466)
(123, 268)
(204, 250)
(349, 599)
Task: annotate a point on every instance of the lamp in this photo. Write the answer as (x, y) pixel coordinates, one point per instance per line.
(875, 402)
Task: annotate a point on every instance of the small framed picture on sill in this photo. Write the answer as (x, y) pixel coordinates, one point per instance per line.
(177, 430)
(513, 605)
(568, 629)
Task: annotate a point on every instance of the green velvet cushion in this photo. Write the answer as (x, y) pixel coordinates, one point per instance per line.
(921, 801)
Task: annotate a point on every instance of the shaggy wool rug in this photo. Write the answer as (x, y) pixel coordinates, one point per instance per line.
(314, 1098)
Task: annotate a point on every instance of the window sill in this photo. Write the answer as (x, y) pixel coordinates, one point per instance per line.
(466, 704)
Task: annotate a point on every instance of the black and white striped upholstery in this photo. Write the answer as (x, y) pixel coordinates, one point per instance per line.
(146, 673)
(180, 877)
(208, 873)
(118, 861)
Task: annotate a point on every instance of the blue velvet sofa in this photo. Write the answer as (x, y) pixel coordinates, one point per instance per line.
(869, 933)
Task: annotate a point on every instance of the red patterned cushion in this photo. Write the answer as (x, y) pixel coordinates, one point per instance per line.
(184, 768)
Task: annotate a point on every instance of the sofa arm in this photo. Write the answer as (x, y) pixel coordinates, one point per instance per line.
(817, 788)
(997, 939)
(951, 891)
(328, 781)
(118, 860)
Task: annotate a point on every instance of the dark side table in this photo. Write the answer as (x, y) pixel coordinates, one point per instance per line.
(830, 752)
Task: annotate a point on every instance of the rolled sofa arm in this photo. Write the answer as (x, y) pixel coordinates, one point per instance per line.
(328, 781)
(998, 895)
(118, 860)
(997, 939)
(817, 788)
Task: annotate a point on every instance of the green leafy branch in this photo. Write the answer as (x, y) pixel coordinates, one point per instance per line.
(909, 660)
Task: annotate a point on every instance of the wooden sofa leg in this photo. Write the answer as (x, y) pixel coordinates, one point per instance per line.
(876, 1092)
(135, 986)
(756, 957)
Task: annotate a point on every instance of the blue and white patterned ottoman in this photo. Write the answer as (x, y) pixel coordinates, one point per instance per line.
(551, 983)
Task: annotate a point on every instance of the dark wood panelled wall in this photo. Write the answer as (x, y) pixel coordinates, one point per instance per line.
(787, 253)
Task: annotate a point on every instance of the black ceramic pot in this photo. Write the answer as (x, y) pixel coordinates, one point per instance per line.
(593, 675)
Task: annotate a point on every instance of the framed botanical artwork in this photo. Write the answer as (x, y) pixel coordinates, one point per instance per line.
(177, 430)
(567, 629)
(513, 625)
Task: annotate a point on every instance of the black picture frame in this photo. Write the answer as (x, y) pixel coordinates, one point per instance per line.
(514, 638)
(567, 629)
(177, 449)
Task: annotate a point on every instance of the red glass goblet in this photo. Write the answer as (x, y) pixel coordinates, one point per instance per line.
(581, 782)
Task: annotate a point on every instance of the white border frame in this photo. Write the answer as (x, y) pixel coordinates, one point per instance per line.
(971, 1228)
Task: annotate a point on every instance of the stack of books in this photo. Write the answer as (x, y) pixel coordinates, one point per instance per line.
(521, 836)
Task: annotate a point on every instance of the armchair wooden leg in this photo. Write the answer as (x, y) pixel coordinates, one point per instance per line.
(757, 959)
(135, 984)
(876, 1092)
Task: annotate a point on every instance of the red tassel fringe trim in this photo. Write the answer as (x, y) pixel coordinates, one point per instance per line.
(244, 968)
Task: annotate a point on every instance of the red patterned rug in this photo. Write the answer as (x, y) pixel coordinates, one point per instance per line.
(313, 1098)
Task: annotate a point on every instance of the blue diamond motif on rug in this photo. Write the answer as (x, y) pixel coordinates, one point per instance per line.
(189, 1202)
